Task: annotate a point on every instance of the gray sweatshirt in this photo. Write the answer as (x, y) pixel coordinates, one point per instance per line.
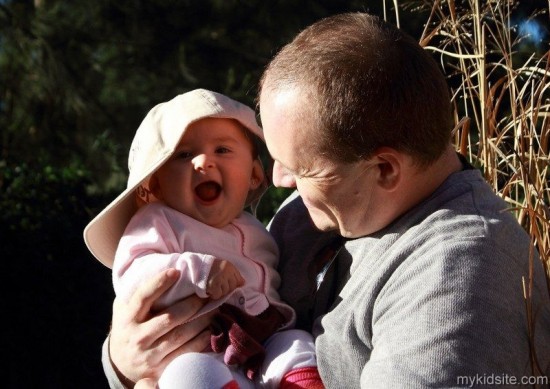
(435, 299)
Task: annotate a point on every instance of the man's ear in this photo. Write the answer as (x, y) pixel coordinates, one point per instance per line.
(390, 167)
(257, 177)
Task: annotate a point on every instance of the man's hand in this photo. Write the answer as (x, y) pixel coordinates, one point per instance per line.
(142, 343)
(224, 278)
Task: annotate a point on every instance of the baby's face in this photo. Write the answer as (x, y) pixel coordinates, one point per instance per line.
(211, 172)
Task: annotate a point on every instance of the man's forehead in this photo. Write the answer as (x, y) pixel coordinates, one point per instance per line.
(288, 104)
(287, 125)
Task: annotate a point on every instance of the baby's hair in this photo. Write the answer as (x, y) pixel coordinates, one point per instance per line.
(255, 142)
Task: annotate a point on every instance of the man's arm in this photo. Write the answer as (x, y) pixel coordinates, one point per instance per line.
(142, 343)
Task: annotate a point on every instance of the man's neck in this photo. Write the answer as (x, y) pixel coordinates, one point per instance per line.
(423, 182)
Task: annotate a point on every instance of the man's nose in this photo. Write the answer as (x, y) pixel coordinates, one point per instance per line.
(202, 162)
(282, 177)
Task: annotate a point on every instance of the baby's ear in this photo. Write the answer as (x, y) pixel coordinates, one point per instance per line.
(258, 185)
(258, 176)
(154, 185)
(148, 192)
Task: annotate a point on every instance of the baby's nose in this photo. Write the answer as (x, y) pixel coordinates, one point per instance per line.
(202, 162)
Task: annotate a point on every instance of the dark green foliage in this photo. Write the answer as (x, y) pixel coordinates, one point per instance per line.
(36, 200)
(58, 298)
(80, 76)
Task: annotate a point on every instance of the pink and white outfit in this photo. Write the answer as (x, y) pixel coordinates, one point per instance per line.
(159, 238)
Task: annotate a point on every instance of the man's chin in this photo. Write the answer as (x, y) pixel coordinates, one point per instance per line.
(322, 224)
(325, 225)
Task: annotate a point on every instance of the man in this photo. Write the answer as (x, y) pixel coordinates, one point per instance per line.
(396, 254)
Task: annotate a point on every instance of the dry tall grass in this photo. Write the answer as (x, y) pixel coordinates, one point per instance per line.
(502, 106)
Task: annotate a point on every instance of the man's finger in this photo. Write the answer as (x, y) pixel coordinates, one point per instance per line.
(192, 336)
(175, 315)
(148, 292)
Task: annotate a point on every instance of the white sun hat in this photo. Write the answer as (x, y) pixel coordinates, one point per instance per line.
(154, 143)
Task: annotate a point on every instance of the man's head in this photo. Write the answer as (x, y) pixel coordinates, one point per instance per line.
(351, 108)
(365, 85)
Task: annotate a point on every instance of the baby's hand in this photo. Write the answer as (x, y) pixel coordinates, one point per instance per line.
(146, 383)
(224, 278)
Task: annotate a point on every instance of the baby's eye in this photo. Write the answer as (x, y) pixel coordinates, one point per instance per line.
(222, 150)
(183, 155)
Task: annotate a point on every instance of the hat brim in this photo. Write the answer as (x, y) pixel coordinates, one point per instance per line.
(103, 233)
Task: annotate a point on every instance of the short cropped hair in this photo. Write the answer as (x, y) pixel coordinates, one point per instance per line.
(369, 85)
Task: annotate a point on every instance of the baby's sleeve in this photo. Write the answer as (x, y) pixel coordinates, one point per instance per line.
(149, 246)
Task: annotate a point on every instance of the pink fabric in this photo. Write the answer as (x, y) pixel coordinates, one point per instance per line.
(231, 385)
(306, 377)
(158, 238)
(240, 336)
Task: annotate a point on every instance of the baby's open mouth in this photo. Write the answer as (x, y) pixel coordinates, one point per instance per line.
(208, 191)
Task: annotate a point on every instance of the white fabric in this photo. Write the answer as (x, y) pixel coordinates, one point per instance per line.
(201, 371)
(286, 351)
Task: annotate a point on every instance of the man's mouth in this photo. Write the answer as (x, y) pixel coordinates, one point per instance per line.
(208, 191)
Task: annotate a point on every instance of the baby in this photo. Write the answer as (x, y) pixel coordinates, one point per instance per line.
(194, 167)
